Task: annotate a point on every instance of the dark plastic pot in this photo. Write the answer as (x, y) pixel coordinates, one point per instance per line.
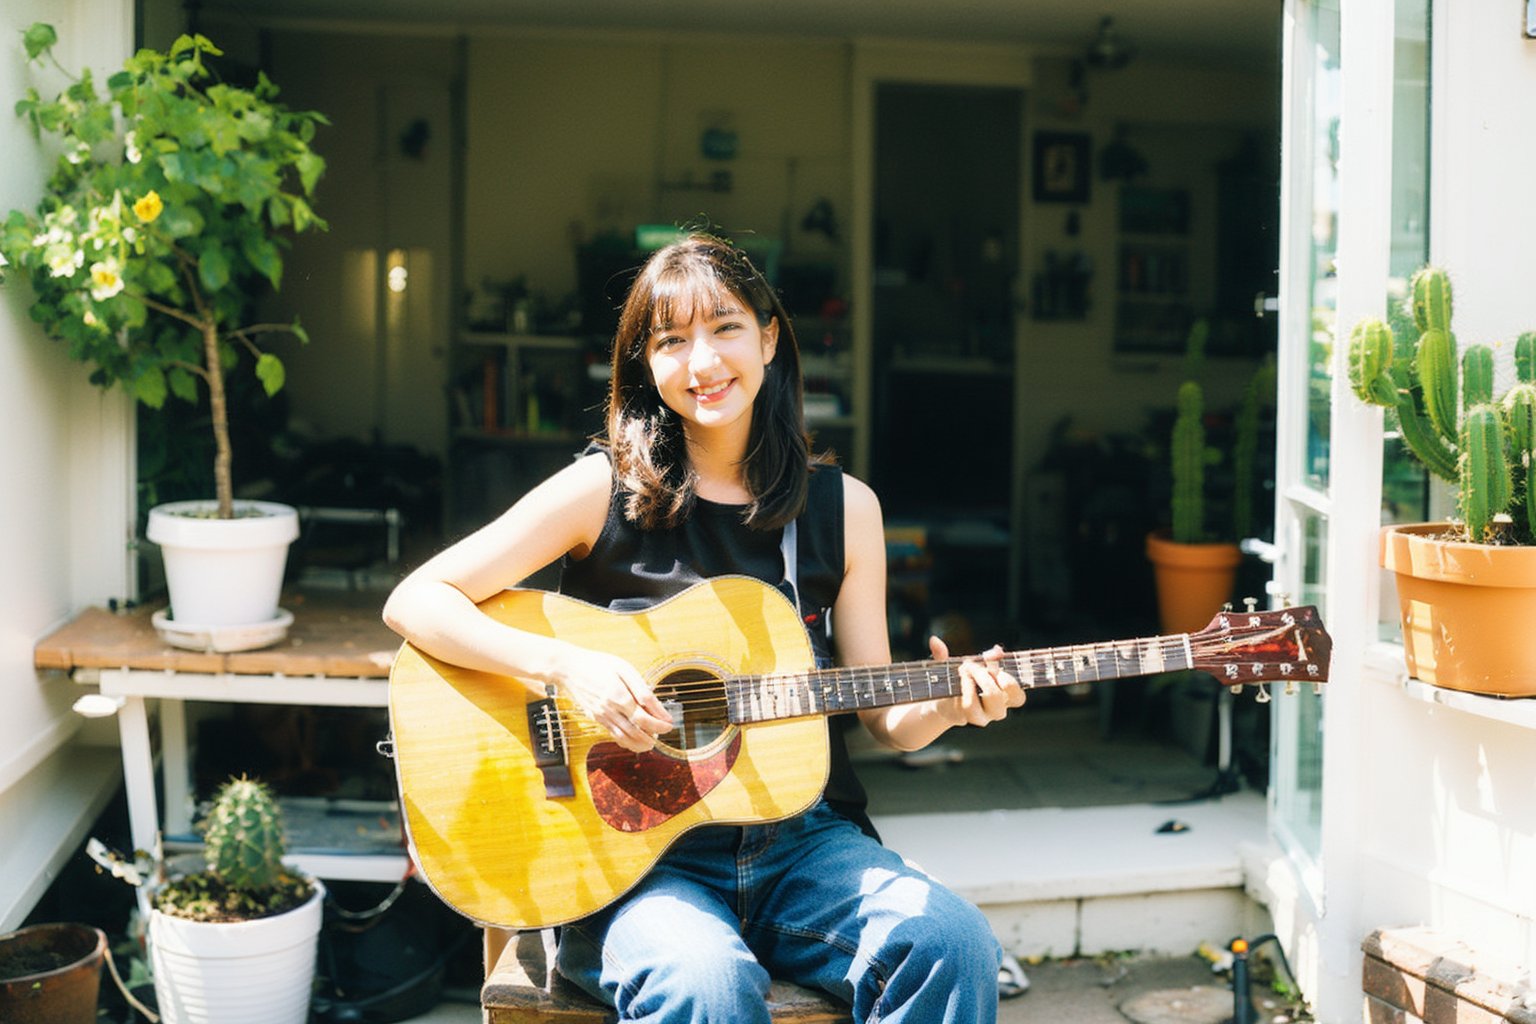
(50, 974)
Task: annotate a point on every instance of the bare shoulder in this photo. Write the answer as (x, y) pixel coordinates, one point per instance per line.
(577, 496)
(861, 506)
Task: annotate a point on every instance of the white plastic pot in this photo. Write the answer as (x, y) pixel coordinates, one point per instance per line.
(224, 572)
(242, 972)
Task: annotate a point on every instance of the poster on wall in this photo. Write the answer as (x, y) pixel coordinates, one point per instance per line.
(1062, 163)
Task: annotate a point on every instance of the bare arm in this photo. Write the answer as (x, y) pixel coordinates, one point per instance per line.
(859, 619)
(435, 606)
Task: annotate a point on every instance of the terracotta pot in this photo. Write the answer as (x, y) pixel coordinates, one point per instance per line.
(1193, 580)
(51, 974)
(1465, 609)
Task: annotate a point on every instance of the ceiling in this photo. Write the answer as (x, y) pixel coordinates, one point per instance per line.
(1218, 33)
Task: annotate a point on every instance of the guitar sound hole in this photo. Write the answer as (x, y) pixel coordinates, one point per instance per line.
(696, 699)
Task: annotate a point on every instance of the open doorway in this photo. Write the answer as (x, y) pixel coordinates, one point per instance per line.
(946, 245)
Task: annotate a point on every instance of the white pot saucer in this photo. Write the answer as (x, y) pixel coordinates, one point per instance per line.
(221, 639)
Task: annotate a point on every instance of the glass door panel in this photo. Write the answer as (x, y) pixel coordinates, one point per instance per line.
(1404, 483)
(1309, 300)
(1323, 143)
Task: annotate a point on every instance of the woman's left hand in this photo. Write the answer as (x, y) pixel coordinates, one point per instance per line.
(988, 692)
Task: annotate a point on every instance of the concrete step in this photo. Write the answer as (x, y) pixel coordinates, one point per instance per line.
(1081, 881)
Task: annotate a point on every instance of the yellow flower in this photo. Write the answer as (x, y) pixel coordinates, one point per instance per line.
(149, 207)
(105, 281)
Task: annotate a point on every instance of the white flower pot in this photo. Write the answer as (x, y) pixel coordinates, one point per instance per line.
(223, 572)
(243, 972)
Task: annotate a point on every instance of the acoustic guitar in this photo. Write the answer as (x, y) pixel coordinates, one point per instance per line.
(523, 813)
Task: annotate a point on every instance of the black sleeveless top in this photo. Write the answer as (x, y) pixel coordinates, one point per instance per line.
(630, 568)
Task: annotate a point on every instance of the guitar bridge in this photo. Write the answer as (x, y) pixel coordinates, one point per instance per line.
(549, 753)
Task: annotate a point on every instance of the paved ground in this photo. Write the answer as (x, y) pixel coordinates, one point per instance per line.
(1136, 990)
(1159, 990)
(1090, 991)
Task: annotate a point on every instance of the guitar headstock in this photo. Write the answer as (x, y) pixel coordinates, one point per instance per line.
(1287, 644)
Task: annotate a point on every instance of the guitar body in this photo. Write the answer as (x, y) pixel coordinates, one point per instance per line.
(512, 834)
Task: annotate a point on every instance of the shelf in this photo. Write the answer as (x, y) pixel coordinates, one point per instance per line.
(491, 339)
(958, 365)
(517, 437)
(1384, 663)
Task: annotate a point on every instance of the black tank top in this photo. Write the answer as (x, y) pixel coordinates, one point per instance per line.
(630, 568)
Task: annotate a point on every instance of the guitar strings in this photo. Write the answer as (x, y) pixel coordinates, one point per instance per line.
(718, 692)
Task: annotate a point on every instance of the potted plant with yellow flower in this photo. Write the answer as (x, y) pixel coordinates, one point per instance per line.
(171, 200)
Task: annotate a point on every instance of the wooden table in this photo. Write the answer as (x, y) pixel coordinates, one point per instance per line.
(337, 654)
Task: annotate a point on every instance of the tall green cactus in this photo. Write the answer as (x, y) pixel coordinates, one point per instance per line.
(1245, 446)
(1188, 455)
(244, 836)
(1483, 444)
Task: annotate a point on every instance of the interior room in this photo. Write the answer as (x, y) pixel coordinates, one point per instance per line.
(993, 229)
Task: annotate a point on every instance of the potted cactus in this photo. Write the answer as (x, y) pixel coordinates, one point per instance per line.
(1195, 564)
(236, 941)
(1460, 584)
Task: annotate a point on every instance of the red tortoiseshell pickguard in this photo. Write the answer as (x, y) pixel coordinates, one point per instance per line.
(634, 792)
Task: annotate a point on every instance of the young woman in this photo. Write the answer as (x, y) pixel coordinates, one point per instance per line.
(705, 469)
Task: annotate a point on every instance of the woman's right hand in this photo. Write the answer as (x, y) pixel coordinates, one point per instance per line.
(615, 696)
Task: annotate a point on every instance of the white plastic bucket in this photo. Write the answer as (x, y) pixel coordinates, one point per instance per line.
(244, 972)
(224, 572)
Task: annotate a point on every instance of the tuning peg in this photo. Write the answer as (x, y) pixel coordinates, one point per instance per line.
(1252, 603)
(1236, 689)
(1290, 687)
(1317, 689)
(1226, 606)
(1262, 697)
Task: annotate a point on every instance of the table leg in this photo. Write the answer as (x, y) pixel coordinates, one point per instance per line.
(175, 768)
(138, 773)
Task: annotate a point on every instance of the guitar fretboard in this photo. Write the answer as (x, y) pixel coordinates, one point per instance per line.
(763, 698)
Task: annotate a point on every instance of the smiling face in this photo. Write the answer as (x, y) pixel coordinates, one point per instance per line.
(708, 358)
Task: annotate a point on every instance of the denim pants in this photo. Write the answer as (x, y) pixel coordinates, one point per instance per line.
(811, 899)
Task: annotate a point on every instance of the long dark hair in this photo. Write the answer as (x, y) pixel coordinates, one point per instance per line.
(645, 438)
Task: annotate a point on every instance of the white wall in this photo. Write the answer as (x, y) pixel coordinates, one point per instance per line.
(65, 473)
(574, 135)
(1449, 838)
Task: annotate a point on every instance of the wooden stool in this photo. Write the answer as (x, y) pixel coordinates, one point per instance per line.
(522, 988)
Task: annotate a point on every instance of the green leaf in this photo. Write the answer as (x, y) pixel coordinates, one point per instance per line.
(269, 370)
(183, 384)
(38, 39)
(263, 255)
(213, 268)
(149, 387)
(311, 166)
(303, 216)
(299, 331)
(181, 221)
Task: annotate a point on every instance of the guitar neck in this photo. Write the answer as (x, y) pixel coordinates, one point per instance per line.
(763, 698)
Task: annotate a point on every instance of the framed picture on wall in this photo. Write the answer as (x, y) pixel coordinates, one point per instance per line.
(1062, 165)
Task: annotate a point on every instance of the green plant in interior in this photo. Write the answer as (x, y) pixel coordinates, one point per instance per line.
(1449, 416)
(243, 847)
(1190, 454)
(173, 197)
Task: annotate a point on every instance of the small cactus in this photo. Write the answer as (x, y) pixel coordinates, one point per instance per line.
(243, 836)
(1482, 443)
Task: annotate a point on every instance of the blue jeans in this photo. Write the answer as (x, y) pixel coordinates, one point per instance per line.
(811, 899)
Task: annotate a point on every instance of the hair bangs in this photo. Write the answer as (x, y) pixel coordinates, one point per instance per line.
(690, 291)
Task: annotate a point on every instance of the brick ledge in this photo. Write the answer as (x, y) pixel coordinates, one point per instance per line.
(1418, 974)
